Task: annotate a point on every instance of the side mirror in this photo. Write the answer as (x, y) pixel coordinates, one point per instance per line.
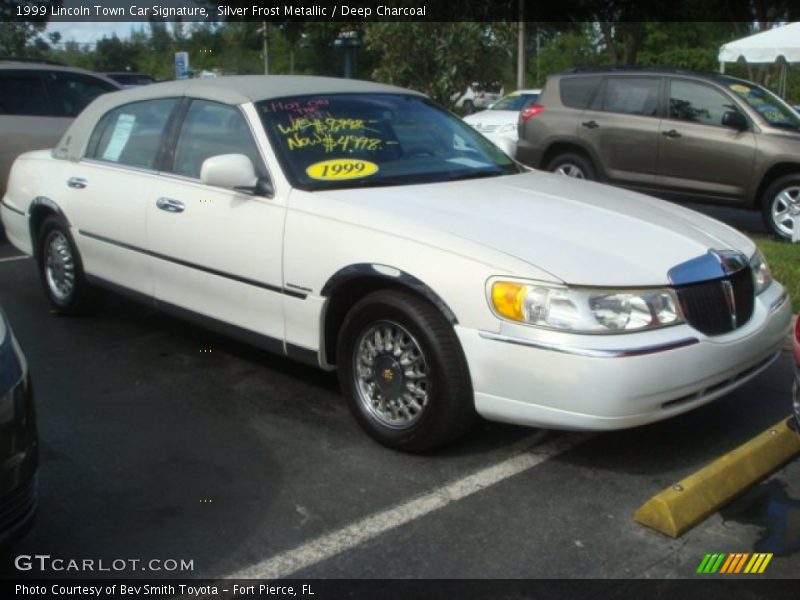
(233, 171)
(734, 119)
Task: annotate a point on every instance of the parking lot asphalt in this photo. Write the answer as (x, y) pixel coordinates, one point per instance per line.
(160, 440)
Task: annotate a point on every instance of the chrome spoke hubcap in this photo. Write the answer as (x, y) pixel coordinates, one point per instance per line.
(786, 210)
(59, 266)
(391, 375)
(570, 170)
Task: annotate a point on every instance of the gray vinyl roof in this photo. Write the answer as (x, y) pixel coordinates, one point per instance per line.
(235, 90)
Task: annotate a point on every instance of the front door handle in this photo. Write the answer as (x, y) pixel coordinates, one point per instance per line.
(590, 124)
(672, 133)
(77, 182)
(170, 205)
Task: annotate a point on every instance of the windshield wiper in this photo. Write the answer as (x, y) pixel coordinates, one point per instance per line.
(477, 174)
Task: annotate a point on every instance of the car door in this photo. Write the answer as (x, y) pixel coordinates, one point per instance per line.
(218, 251)
(105, 194)
(622, 126)
(698, 154)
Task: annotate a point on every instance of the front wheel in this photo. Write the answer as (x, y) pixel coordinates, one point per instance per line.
(403, 373)
(60, 268)
(780, 206)
(572, 165)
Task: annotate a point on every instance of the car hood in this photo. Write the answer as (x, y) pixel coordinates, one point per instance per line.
(582, 233)
(493, 117)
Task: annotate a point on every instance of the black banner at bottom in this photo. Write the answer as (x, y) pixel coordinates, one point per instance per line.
(705, 588)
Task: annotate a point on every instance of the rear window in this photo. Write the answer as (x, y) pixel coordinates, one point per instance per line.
(131, 135)
(576, 92)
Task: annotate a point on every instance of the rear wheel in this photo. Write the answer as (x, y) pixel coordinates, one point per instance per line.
(60, 268)
(572, 165)
(780, 205)
(403, 373)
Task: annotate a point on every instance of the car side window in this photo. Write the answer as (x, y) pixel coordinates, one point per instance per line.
(632, 95)
(698, 103)
(211, 129)
(576, 92)
(72, 92)
(22, 94)
(131, 135)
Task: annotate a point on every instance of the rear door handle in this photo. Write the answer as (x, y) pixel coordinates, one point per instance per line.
(590, 124)
(170, 205)
(672, 133)
(77, 182)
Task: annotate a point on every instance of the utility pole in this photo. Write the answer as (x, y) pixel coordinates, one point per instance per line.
(265, 39)
(521, 46)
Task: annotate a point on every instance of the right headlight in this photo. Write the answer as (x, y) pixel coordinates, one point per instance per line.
(762, 276)
(585, 310)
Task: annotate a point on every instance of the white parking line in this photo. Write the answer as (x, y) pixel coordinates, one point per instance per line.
(355, 534)
(10, 258)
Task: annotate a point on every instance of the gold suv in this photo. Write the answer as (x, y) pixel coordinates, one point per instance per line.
(683, 135)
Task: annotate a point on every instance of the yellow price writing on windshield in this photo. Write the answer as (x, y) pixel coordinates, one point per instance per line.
(341, 168)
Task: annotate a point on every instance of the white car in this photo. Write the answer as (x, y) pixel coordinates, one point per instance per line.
(499, 121)
(359, 227)
(475, 98)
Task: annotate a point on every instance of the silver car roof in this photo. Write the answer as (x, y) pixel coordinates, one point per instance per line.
(235, 90)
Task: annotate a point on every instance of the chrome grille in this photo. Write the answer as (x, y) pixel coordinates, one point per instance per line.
(720, 305)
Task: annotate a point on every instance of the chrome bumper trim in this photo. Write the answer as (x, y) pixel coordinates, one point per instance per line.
(591, 353)
(777, 303)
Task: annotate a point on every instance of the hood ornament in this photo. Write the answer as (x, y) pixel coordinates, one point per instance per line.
(715, 264)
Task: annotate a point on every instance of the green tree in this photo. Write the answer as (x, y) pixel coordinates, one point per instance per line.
(439, 59)
(112, 54)
(21, 40)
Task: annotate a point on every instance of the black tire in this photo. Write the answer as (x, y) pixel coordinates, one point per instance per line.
(468, 106)
(779, 200)
(61, 269)
(573, 165)
(447, 410)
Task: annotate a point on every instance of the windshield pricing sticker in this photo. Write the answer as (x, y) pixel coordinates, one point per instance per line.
(341, 168)
(740, 89)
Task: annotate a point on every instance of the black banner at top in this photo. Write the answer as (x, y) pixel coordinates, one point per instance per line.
(215, 11)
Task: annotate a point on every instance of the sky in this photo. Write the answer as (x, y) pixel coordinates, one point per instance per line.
(90, 32)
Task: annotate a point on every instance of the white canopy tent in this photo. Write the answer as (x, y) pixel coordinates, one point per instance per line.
(765, 47)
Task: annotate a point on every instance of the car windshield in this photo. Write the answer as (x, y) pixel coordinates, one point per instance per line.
(367, 140)
(515, 101)
(771, 108)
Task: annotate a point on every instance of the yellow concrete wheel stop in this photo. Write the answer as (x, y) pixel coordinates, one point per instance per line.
(681, 506)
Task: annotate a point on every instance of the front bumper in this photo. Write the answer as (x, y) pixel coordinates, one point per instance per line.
(609, 382)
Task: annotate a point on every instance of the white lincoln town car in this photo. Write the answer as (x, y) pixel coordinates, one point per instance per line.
(361, 228)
